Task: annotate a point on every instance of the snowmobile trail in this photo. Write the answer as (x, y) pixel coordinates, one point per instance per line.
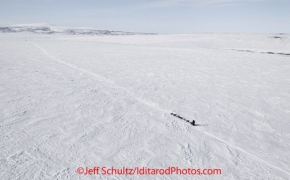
(102, 79)
(247, 153)
(156, 107)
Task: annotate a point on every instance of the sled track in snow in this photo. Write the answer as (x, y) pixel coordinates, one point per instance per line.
(101, 79)
(155, 106)
(246, 152)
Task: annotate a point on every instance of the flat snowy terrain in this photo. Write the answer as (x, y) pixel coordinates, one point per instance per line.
(84, 101)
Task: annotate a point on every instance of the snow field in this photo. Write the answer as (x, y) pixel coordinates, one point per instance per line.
(84, 101)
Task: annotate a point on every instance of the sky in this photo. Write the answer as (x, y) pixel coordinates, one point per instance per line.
(156, 16)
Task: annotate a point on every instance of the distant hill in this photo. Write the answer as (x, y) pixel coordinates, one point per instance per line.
(61, 30)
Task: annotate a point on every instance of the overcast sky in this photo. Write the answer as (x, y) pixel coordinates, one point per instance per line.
(160, 16)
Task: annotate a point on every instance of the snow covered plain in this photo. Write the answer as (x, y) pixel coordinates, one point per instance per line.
(84, 101)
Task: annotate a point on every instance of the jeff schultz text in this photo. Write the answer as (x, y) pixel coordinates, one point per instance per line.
(147, 171)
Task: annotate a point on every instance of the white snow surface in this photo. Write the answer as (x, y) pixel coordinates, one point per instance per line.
(85, 101)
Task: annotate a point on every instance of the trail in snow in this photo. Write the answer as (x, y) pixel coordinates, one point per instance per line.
(246, 152)
(157, 107)
(103, 79)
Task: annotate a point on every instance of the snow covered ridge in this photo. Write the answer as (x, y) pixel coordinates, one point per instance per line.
(61, 30)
